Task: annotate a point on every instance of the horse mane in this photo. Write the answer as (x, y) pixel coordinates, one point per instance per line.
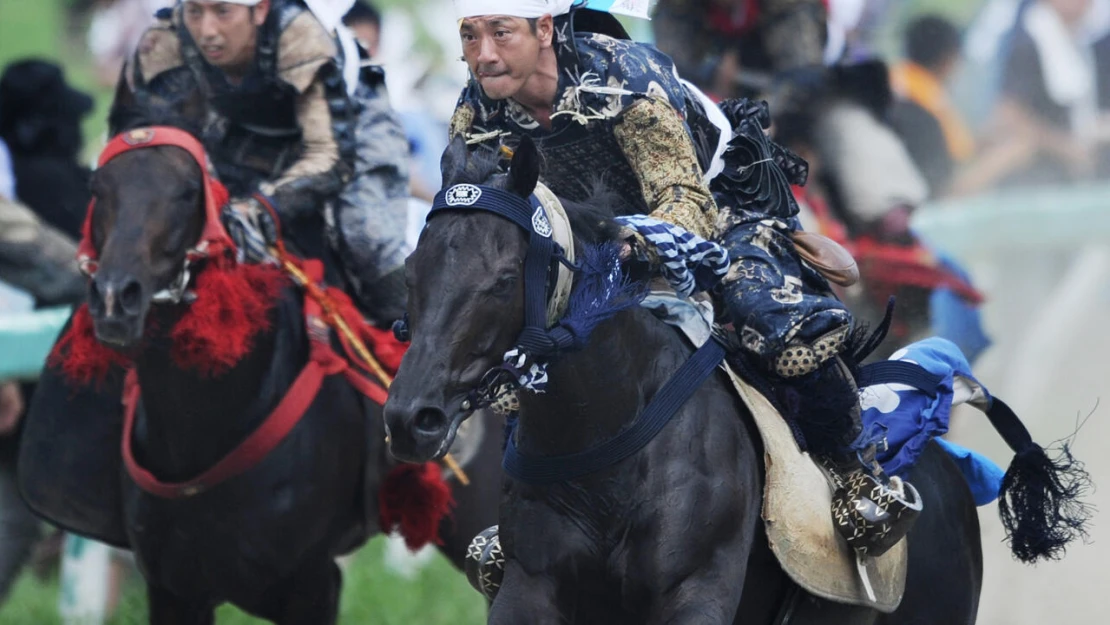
(591, 219)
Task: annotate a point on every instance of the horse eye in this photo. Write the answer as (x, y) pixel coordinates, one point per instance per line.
(504, 285)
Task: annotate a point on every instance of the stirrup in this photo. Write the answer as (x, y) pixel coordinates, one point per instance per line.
(485, 563)
(873, 513)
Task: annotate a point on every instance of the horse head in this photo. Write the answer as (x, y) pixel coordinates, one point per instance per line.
(465, 306)
(148, 211)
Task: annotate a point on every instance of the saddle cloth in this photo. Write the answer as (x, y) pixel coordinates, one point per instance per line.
(797, 496)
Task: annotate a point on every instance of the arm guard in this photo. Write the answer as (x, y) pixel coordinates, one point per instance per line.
(659, 150)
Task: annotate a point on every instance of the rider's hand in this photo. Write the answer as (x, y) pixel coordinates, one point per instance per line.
(687, 261)
(252, 228)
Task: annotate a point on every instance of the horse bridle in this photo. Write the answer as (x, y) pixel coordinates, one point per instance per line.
(214, 242)
(536, 341)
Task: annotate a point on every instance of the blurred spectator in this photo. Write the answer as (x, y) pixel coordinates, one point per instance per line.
(40, 120)
(1049, 96)
(930, 125)
(366, 22)
(114, 31)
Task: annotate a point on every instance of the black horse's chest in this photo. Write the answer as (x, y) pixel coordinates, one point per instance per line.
(565, 525)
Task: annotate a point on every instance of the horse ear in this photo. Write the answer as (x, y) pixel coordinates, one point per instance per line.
(524, 170)
(453, 162)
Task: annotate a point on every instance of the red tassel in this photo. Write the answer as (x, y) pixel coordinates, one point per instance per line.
(82, 358)
(232, 307)
(415, 498)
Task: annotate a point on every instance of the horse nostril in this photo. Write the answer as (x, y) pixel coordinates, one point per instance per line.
(131, 297)
(430, 420)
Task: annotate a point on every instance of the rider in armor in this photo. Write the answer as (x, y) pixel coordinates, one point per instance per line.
(597, 103)
(292, 118)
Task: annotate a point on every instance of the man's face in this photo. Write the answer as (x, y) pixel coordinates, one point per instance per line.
(225, 33)
(502, 52)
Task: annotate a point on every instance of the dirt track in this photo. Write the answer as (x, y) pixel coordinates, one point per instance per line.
(1049, 377)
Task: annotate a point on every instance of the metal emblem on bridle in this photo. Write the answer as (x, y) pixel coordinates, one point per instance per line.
(540, 223)
(462, 195)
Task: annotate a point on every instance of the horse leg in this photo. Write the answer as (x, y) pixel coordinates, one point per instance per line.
(309, 597)
(166, 608)
(710, 596)
(525, 598)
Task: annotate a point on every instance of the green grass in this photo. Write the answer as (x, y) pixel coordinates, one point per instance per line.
(39, 28)
(372, 595)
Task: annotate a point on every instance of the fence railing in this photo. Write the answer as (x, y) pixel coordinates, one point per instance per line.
(26, 339)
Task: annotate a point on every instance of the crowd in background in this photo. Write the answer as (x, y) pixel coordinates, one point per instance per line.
(1037, 111)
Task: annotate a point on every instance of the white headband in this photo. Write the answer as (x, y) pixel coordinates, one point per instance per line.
(513, 8)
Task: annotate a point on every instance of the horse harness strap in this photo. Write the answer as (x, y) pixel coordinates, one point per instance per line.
(322, 361)
(680, 387)
(899, 372)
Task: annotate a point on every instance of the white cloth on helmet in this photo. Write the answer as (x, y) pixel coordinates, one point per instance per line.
(513, 8)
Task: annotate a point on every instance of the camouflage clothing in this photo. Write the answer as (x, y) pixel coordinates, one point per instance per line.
(333, 161)
(623, 112)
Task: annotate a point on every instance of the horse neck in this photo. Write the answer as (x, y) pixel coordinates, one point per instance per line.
(593, 393)
(189, 421)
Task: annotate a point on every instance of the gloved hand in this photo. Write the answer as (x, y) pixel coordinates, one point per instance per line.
(687, 261)
(252, 228)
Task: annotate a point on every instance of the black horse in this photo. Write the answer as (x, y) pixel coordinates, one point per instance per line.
(672, 534)
(265, 540)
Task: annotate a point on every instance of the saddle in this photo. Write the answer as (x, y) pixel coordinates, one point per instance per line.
(798, 494)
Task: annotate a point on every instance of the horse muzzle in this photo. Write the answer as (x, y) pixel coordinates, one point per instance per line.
(118, 308)
(420, 434)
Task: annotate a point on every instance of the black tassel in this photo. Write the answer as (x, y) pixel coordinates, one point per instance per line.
(860, 344)
(1039, 503)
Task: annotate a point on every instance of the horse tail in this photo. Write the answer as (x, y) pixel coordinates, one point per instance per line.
(1039, 500)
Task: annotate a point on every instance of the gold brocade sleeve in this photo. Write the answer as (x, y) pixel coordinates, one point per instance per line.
(658, 148)
(461, 121)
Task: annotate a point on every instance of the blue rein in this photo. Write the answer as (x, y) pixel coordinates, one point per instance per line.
(543, 470)
(539, 342)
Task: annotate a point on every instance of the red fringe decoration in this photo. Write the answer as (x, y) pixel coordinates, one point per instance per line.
(415, 497)
(382, 343)
(81, 357)
(232, 307)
